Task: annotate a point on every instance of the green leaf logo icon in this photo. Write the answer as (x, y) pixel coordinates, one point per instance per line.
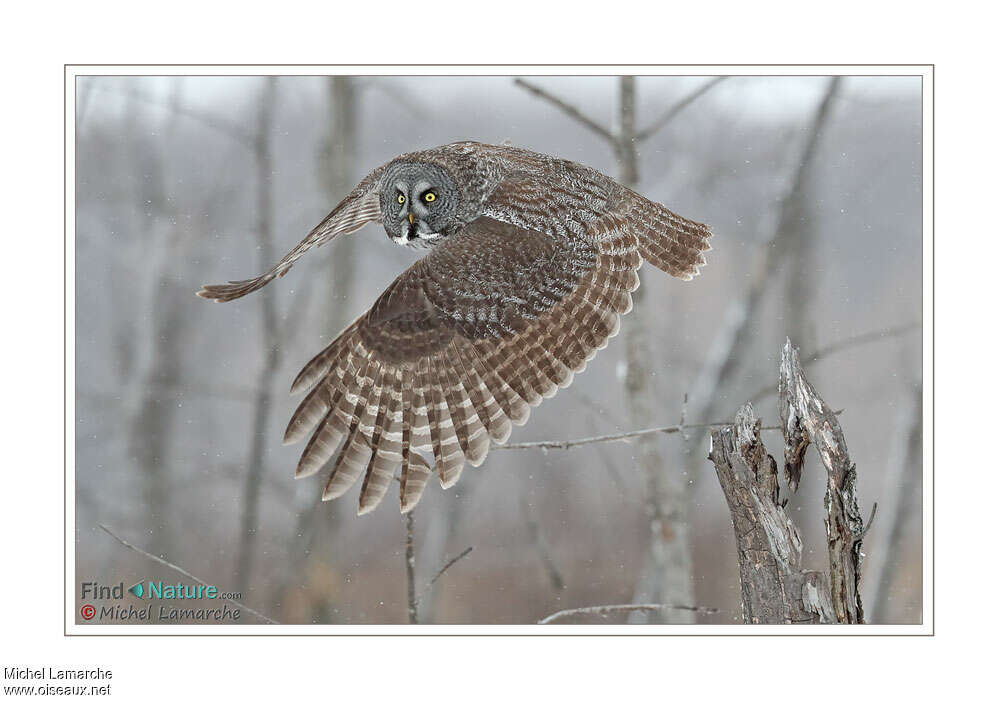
(136, 590)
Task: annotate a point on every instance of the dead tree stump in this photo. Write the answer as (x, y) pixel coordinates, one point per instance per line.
(775, 589)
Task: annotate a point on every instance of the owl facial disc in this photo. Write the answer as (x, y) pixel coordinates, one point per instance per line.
(418, 202)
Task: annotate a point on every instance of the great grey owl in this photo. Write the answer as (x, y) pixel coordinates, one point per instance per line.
(533, 259)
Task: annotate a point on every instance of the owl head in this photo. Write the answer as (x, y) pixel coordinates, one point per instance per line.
(418, 202)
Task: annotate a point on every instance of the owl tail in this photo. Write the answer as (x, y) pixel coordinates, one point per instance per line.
(670, 242)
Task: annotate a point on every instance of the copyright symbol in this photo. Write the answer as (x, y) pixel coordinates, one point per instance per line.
(87, 612)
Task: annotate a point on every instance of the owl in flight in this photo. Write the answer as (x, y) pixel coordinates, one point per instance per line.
(532, 261)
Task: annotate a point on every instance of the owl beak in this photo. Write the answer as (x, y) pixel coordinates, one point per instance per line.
(410, 217)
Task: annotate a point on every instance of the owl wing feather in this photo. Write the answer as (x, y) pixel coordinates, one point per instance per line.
(674, 244)
(358, 208)
(456, 351)
(581, 198)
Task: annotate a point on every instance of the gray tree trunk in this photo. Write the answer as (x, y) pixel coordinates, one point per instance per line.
(263, 161)
(667, 577)
(898, 507)
(153, 409)
(337, 173)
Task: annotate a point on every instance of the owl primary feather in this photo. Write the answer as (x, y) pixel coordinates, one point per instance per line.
(532, 262)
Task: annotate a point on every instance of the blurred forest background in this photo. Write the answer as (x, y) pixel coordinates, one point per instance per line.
(813, 187)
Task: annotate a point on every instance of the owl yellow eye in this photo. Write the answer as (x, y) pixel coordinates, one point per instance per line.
(429, 197)
(401, 199)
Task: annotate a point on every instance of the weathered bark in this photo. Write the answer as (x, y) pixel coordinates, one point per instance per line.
(775, 589)
(807, 420)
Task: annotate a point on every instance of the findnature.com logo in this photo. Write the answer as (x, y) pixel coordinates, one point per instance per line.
(149, 590)
(154, 590)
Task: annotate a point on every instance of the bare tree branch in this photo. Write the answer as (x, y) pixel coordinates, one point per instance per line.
(616, 608)
(566, 108)
(440, 573)
(610, 438)
(678, 428)
(180, 570)
(844, 344)
(676, 109)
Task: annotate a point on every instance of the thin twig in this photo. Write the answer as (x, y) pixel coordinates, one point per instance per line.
(610, 438)
(181, 570)
(566, 108)
(414, 616)
(441, 572)
(870, 520)
(565, 445)
(604, 610)
(676, 109)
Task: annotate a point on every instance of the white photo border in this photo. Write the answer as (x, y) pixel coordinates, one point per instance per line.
(73, 71)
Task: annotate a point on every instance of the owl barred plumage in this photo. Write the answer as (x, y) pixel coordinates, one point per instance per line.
(533, 260)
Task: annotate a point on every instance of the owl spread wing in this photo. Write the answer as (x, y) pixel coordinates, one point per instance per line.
(358, 208)
(456, 350)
